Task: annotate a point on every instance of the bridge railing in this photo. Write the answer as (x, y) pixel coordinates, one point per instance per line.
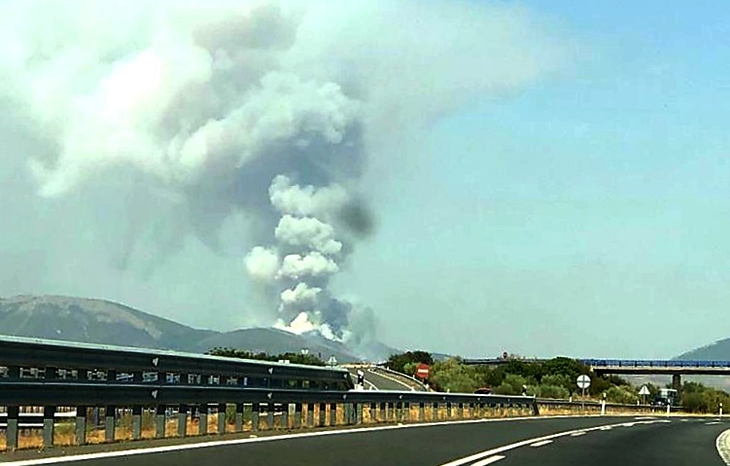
(641, 363)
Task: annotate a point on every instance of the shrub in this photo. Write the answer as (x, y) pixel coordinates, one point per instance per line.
(622, 395)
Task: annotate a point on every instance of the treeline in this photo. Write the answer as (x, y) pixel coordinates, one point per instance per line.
(555, 378)
(294, 358)
(698, 398)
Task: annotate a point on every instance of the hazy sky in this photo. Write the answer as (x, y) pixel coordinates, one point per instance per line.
(551, 178)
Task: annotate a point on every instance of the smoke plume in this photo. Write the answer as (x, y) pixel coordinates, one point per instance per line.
(262, 114)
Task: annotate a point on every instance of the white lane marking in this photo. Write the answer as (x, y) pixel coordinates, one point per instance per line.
(372, 385)
(722, 443)
(219, 443)
(712, 423)
(513, 446)
(610, 427)
(540, 444)
(644, 418)
(578, 434)
(392, 379)
(490, 460)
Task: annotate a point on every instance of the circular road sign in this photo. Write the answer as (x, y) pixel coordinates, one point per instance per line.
(422, 371)
(583, 381)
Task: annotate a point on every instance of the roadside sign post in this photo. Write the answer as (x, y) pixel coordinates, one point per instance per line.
(583, 382)
(644, 391)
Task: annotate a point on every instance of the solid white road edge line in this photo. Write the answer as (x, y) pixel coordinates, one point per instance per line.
(722, 443)
(490, 460)
(512, 446)
(219, 443)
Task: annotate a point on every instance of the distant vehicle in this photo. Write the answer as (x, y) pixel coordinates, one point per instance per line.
(483, 391)
(667, 396)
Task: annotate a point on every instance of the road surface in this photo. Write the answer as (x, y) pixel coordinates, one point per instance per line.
(381, 380)
(599, 441)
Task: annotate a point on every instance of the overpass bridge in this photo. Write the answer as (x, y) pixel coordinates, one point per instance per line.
(671, 367)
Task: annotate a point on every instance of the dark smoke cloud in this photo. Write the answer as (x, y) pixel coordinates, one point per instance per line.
(358, 218)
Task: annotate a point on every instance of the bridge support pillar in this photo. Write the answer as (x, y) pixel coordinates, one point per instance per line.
(677, 381)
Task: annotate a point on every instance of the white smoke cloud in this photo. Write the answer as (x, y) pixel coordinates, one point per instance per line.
(300, 294)
(266, 111)
(299, 325)
(262, 263)
(289, 198)
(314, 264)
(307, 232)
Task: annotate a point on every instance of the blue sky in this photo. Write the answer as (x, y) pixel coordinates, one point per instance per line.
(586, 214)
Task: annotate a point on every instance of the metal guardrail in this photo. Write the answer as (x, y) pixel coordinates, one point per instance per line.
(161, 385)
(101, 385)
(63, 362)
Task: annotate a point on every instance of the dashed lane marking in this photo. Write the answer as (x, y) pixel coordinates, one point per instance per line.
(490, 460)
(512, 446)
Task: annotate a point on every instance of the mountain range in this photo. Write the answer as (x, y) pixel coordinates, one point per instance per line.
(717, 351)
(105, 322)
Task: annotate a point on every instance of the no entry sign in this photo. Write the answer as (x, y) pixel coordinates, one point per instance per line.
(422, 371)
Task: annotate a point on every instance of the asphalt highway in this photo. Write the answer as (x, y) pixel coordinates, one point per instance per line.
(380, 381)
(599, 441)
